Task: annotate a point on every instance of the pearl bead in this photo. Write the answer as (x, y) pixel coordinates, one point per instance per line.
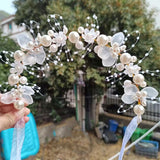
(97, 33)
(115, 45)
(19, 55)
(109, 38)
(39, 36)
(123, 47)
(133, 59)
(116, 50)
(13, 79)
(37, 49)
(16, 92)
(120, 66)
(12, 70)
(18, 68)
(46, 40)
(80, 30)
(50, 33)
(30, 45)
(138, 78)
(53, 48)
(125, 58)
(138, 110)
(127, 82)
(138, 94)
(18, 104)
(102, 40)
(143, 93)
(73, 37)
(65, 29)
(114, 55)
(96, 48)
(144, 103)
(79, 45)
(23, 80)
(143, 84)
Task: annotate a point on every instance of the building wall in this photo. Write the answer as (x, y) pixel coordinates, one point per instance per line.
(9, 28)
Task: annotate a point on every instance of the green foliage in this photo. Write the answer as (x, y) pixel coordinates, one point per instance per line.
(31, 10)
(6, 44)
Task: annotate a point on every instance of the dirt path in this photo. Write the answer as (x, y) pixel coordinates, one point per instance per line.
(82, 147)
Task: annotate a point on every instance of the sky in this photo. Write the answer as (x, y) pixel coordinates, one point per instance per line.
(155, 4)
(7, 6)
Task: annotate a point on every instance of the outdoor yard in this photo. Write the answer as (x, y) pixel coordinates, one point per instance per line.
(82, 146)
(74, 71)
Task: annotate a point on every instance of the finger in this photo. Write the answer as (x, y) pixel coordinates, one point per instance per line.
(26, 119)
(7, 108)
(9, 120)
(27, 111)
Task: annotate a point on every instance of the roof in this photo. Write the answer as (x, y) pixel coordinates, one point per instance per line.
(8, 19)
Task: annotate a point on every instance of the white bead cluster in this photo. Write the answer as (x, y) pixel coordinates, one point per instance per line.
(111, 49)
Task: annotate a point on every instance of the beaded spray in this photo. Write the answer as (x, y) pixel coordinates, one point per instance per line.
(111, 49)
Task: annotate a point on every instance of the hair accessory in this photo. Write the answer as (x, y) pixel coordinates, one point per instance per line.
(39, 50)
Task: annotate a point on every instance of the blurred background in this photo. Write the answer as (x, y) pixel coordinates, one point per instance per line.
(79, 88)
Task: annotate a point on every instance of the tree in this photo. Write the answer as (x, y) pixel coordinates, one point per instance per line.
(114, 16)
(6, 44)
(31, 10)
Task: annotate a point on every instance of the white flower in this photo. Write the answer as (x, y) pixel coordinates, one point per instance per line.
(131, 69)
(59, 39)
(18, 67)
(25, 42)
(117, 38)
(27, 91)
(132, 94)
(109, 55)
(24, 92)
(90, 35)
(37, 56)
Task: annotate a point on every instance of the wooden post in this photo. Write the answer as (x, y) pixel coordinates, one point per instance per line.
(81, 101)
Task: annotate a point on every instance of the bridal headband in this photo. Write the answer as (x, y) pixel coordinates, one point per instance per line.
(38, 51)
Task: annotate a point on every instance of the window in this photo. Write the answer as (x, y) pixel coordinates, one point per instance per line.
(10, 26)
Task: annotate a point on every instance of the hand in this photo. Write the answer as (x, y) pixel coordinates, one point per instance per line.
(9, 115)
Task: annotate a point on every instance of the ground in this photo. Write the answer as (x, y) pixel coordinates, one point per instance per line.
(82, 147)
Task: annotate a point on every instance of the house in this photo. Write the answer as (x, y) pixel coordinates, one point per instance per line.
(9, 28)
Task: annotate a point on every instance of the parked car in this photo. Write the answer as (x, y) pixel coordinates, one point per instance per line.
(112, 102)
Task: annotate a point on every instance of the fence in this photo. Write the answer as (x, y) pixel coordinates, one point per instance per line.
(46, 109)
(112, 102)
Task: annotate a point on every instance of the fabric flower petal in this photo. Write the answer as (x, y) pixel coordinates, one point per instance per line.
(28, 98)
(104, 52)
(7, 98)
(128, 99)
(151, 92)
(130, 89)
(118, 38)
(23, 41)
(40, 56)
(29, 59)
(109, 61)
(27, 90)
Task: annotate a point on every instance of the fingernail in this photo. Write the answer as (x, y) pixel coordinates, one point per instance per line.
(20, 113)
(27, 110)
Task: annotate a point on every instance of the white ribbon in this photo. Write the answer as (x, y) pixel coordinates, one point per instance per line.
(128, 133)
(18, 138)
